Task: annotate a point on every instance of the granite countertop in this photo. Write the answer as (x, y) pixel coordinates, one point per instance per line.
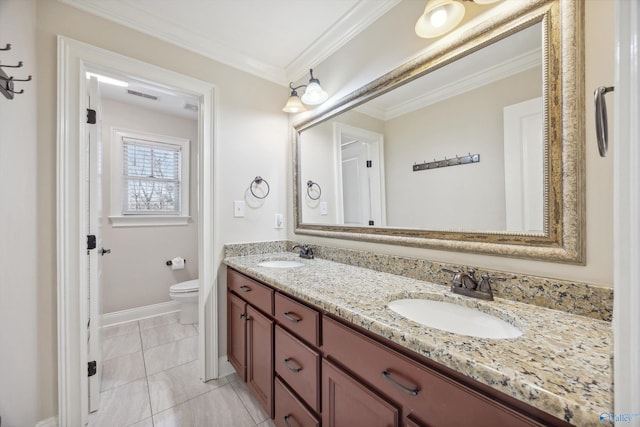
(561, 364)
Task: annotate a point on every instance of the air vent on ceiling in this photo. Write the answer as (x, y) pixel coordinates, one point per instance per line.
(143, 95)
(191, 107)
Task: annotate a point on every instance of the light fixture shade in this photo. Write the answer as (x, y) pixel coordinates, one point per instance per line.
(485, 1)
(294, 105)
(439, 17)
(314, 94)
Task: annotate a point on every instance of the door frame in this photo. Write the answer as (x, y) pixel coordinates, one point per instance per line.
(626, 154)
(375, 142)
(73, 59)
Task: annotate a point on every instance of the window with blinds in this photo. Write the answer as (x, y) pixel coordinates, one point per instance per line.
(151, 177)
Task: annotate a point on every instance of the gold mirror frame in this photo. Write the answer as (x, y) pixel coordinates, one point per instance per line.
(563, 47)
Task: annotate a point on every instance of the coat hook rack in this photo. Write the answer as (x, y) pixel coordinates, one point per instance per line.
(435, 164)
(6, 81)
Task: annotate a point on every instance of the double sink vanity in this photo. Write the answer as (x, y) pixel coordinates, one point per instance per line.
(321, 342)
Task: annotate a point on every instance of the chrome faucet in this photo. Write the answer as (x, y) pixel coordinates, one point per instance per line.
(306, 251)
(465, 283)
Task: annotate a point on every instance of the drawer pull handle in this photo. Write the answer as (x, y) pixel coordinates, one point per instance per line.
(244, 288)
(412, 391)
(290, 366)
(286, 420)
(292, 317)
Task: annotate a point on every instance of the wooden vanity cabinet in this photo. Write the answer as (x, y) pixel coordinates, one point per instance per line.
(289, 411)
(328, 369)
(250, 335)
(237, 334)
(348, 402)
(426, 396)
(260, 357)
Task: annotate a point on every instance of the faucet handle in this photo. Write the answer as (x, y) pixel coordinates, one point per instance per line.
(456, 280)
(485, 282)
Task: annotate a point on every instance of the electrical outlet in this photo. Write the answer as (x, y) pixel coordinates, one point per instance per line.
(238, 208)
(279, 220)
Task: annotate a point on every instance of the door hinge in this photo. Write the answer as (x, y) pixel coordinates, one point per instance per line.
(369, 163)
(91, 116)
(92, 368)
(91, 241)
(371, 222)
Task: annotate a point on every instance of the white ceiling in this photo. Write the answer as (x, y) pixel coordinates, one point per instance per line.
(278, 40)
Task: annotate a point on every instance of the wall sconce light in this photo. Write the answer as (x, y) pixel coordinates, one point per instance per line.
(313, 95)
(441, 16)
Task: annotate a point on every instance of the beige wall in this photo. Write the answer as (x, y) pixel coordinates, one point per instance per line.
(19, 243)
(135, 273)
(391, 42)
(250, 128)
(471, 196)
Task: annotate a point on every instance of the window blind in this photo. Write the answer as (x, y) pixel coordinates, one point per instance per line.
(150, 177)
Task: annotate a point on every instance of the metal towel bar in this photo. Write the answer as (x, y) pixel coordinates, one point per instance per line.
(602, 128)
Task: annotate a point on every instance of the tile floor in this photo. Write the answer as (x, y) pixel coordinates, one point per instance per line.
(150, 378)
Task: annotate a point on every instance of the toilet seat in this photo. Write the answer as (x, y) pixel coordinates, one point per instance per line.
(184, 287)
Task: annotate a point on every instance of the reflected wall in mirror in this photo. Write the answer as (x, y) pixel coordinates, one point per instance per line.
(489, 103)
(484, 91)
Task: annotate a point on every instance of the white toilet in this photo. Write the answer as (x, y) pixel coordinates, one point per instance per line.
(186, 293)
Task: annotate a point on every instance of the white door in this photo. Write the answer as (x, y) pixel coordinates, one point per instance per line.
(360, 179)
(524, 170)
(94, 212)
(355, 184)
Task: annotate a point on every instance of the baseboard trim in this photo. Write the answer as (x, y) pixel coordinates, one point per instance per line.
(224, 367)
(49, 422)
(139, 313)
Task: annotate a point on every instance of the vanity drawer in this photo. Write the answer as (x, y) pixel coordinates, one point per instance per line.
(298, 318)
(299, 366)
(424, 394)
(254, 293)
(289, 411)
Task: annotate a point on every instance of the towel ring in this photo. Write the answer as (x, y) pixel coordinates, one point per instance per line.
(257, 181)
(311, 184)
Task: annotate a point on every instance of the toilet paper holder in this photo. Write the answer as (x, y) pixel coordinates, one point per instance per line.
(170, 263)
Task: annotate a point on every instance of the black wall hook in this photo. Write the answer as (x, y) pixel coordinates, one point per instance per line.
(6, 81)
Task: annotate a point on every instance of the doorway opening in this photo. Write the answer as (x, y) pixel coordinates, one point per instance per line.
(360, 191)
(75, 59)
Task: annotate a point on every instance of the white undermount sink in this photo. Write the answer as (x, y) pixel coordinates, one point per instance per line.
(454, 318)
(283, 263)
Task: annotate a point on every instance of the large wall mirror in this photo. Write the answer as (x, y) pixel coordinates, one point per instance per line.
(474, 146)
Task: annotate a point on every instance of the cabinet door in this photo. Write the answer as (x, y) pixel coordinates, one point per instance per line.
(260, 358)
(346, 402)
(236, 334)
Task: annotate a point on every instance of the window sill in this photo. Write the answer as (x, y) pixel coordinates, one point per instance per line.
(148, 221)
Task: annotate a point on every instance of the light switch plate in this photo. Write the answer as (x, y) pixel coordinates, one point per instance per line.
(324, 209)
(238, 208)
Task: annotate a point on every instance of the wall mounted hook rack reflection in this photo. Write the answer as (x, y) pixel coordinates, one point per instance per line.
(435, 164)
(6, 81)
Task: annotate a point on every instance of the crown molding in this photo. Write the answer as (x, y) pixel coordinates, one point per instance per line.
(359, 17)
(362, 15)
(467, 83)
